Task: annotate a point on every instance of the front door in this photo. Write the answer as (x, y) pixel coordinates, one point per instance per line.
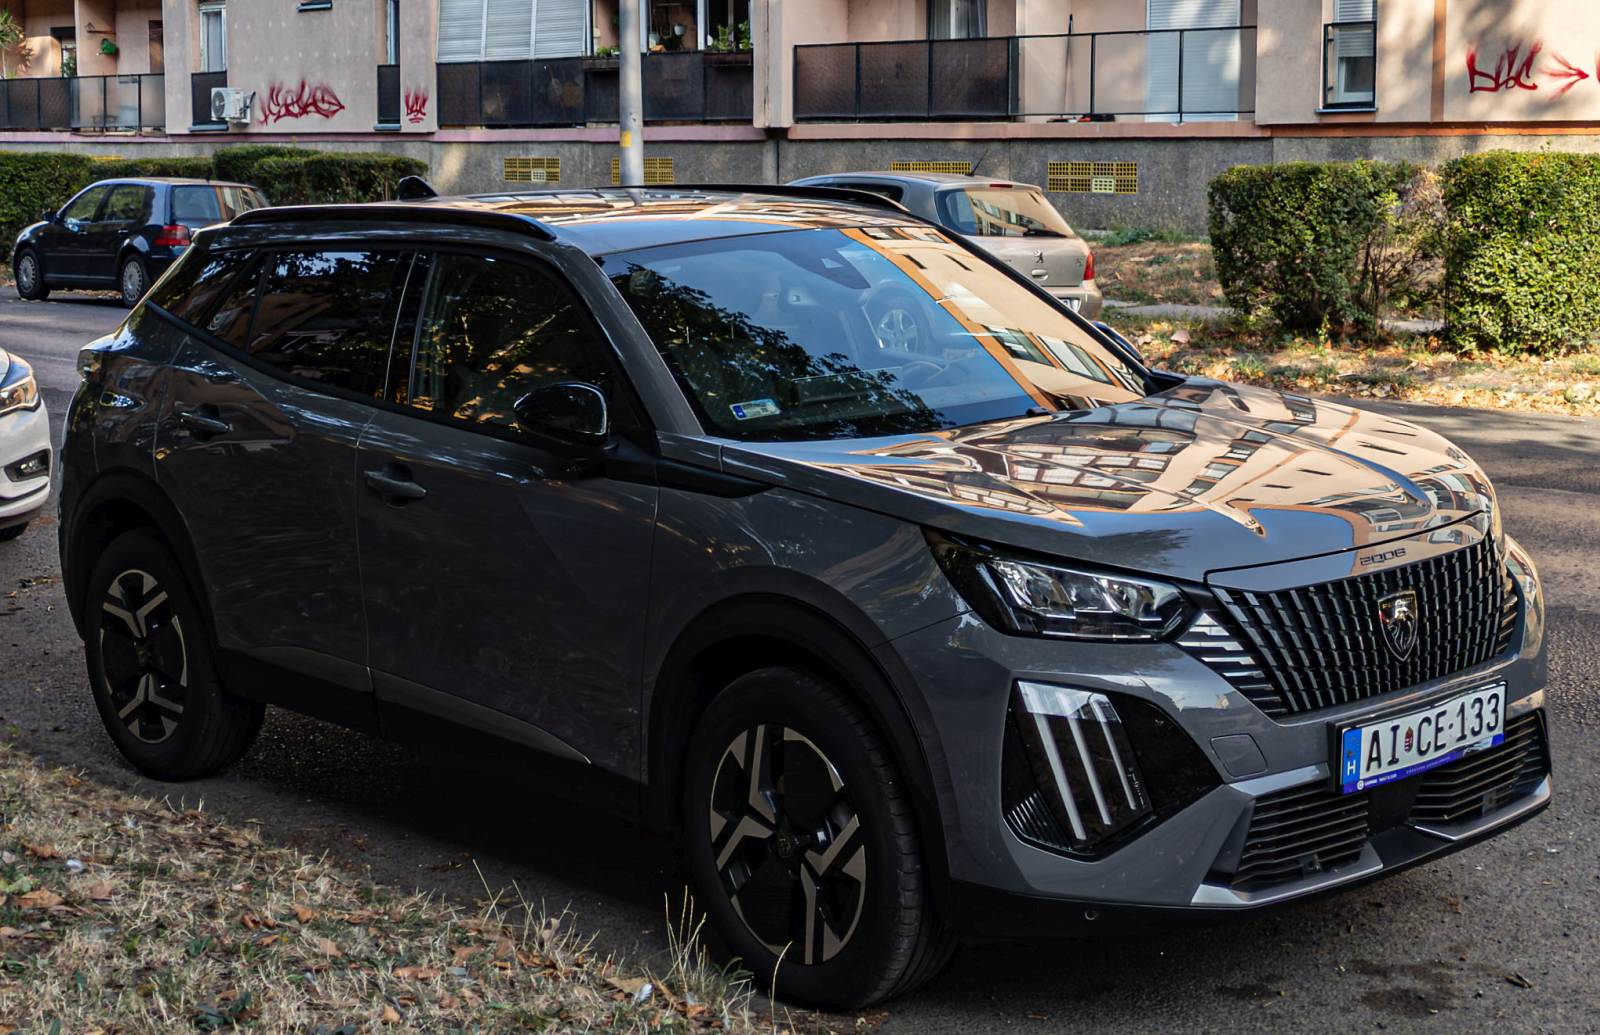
(68, 242)
(258, 446)
(503, 591)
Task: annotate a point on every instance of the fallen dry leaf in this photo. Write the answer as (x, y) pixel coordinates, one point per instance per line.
(416, 973)
(41, 899)
(41, 851)
(304, 915)
(99, 892)
(390, 1014)
(327, 947)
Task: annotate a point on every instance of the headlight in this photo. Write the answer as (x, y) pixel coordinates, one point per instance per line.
(1527, 576)
(19, 394)
(1032, 598)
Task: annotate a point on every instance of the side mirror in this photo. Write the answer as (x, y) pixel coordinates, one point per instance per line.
(1111, 332)
(48, 215)
(572, 414)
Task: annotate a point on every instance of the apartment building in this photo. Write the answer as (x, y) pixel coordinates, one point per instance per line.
(1122, 108)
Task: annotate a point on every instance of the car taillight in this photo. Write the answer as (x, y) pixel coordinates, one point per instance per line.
(1088, 267)
(173, 237)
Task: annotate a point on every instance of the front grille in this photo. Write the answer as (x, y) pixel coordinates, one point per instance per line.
(1314, 828)
(1310, 647)
(1301, 831)
(1484, 781)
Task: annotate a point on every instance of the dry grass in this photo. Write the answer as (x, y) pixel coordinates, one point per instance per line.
(1415, 368)
(1157, 272)
(120, 915)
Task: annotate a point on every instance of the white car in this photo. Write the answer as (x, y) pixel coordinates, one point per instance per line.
(25, 460)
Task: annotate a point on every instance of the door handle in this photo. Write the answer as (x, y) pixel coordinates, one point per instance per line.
(204, 422)
(393, 483)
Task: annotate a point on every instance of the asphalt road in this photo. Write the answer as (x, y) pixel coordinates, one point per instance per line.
(1445, 947)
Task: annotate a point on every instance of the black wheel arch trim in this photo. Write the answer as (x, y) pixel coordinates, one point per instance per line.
(819, 640)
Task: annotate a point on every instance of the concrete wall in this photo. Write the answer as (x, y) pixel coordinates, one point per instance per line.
(1567, 33)
(38, 18)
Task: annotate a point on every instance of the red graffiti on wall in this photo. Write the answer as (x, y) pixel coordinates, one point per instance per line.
(1568, 71)
(1511, 72)
(285, 103)
(416, 105)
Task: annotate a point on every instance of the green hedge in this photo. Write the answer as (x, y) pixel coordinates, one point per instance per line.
(1318, 246)
(331, 176)
(1522, 251)
(32, 181)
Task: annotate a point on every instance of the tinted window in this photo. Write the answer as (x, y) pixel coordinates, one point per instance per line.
(492, 330)
(239, 199)
(1002, 213)
(196, 206)
(231, 320)
(817, 334)
(191, 288)
(84, 206)
(129, 203)
(327, 316)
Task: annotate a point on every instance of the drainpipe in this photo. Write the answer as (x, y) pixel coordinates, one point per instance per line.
(630, 99)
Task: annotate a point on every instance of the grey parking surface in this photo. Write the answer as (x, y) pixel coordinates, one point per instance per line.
(1444, 947)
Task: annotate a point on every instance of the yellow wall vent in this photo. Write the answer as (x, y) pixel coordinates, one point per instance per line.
(1093, 177)
(954, 168)
(657, 172)
(527, 169)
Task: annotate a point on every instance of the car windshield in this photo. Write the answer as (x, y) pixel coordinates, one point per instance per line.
(1001, 212)
(851, 333)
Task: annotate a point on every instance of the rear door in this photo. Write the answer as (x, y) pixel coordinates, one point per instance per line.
(126, 211)
(501, 590)
(258, 445)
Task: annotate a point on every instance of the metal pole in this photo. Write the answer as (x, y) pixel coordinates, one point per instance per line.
(630, 95)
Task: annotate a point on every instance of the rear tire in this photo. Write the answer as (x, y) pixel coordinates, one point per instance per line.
(802, 846)
(14, 532)
(133, 280)
(30, 278)
(151, 669)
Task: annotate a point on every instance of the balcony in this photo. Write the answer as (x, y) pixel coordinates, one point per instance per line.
(1168, 75)
(694, 86)
(93, 103)
(200, 86)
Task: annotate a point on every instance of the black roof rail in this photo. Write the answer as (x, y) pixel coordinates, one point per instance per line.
(399, 212)
(784, 190)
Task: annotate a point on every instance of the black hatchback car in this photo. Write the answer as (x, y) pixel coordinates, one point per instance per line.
(122, 234)
(1004, 634)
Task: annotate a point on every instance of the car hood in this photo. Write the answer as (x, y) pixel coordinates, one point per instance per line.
(1203, 477)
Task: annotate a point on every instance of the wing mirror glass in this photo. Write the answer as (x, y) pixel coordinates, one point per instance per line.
(569, 413)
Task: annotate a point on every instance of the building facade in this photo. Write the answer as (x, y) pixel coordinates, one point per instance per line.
(1123, 109)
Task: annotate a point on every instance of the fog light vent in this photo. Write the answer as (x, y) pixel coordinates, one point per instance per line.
(1086, 776)
(32, 466)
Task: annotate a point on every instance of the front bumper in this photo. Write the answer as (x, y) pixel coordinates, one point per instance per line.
(1197, 859)
(24, 434)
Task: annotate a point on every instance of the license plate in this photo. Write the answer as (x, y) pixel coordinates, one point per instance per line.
(1377, 753)
(1074, 303)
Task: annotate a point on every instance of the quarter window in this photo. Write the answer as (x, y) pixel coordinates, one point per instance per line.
(327, 316)
(493, 330)
(190, 289)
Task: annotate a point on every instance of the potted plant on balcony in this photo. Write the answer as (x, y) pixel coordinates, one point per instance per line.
(603, 59)
(108, 47)
(731, 47)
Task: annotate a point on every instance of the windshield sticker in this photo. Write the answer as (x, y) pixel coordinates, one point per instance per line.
(754, 408)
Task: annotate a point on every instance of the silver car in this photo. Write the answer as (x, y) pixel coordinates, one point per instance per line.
(1015, 222)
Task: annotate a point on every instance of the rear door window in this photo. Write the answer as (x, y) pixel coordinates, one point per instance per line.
(328, 316)
(196, 206)
(1001, 212)
(129, 203)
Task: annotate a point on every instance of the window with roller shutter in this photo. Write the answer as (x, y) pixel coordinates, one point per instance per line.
(1211, 60)
(512, 30)
(1350, 55)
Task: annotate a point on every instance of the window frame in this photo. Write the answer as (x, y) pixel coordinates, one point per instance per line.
(1332, 85)
(219, 9)
(147, 205)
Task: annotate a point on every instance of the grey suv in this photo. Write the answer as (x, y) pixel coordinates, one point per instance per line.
(1007, 634)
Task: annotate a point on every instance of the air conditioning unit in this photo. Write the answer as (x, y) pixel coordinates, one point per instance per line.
(231, 105)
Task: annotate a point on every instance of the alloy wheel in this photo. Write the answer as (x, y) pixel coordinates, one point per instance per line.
(144, 656)
(27, 274)
(787, 843)
(897, 330)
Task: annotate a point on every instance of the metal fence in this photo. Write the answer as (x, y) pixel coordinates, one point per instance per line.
(686, 87)
(1167, 74)
(91, 102)
(388, 95)
(200, 86)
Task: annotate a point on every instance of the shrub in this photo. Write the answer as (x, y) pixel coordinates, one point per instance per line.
(32, 181)
(1522, 251)
(1322, 246)
(238, 162)
(329, 176)
(195, 167)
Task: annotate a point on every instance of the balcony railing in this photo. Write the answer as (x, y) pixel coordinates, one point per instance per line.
(687, 87)
(91, 102)
(200, 86)
(388, 95)
(1349, 64)
(1162, 75)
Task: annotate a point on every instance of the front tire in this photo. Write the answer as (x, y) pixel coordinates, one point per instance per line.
(30, 278)
(151, 669)
(14, 532)
(802, 847)
(133, 280)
